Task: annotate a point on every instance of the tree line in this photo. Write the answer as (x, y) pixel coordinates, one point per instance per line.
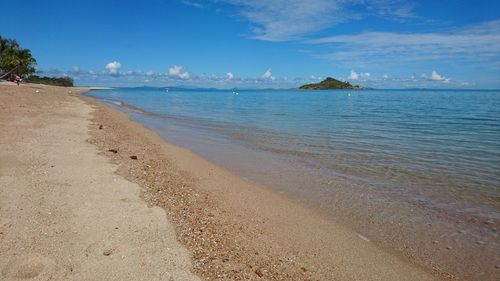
(15, 60)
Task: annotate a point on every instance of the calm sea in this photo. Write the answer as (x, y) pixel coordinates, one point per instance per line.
(388, 157)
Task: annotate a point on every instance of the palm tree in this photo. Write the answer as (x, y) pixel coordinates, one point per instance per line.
(14, 59)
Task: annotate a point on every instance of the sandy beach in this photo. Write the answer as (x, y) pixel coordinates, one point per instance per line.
(64, 214)
(87, 194)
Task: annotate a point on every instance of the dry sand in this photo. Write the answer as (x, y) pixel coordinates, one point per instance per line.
(64, 214)
(63, 218)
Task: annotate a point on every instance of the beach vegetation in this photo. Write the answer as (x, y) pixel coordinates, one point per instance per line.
(54, 81)
(15, 60)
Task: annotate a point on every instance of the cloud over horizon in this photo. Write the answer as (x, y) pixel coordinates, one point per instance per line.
(178, 72)
(359, 76)
(113, 67)
(173, 78)
(436, 77)
(267, 75)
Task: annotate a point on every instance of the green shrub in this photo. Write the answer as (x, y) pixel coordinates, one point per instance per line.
(55, 81)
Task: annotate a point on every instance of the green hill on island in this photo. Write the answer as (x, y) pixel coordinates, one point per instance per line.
(331, 84)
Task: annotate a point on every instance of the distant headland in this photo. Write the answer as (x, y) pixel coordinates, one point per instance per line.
(331, 84)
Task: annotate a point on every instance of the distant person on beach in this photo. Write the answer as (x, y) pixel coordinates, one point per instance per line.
(18, 80)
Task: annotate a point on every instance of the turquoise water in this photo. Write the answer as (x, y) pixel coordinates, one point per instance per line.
(444, 139)
(398, 159)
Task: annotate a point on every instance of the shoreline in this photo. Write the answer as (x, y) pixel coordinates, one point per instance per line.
(416, 230)
(277, 219)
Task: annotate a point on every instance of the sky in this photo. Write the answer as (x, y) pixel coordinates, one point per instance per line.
(262, 43)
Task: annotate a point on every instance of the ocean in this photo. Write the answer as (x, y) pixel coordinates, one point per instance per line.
(400, 167)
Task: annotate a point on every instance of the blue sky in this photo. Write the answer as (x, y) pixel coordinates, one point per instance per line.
(260, 44)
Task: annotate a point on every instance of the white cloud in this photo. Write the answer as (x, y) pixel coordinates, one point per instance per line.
(193, 4)
(178, 72)
(436, 76)
(433, 79)
(353, 76)
(229, 76)
(359, 76)
(395, 9)
(175, 70)
(113, 67)
(184, 75)
(315, 78)
(472, 43)
(268, 75)
(280, 20)
(283, 20)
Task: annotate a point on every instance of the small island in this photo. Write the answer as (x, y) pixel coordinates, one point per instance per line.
(331, 84)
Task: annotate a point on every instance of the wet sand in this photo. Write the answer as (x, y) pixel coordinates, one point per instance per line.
(233, 229)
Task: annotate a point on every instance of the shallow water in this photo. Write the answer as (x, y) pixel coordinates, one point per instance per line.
(394, 164)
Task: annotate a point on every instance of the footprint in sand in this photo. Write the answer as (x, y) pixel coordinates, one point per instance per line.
(29, 266)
